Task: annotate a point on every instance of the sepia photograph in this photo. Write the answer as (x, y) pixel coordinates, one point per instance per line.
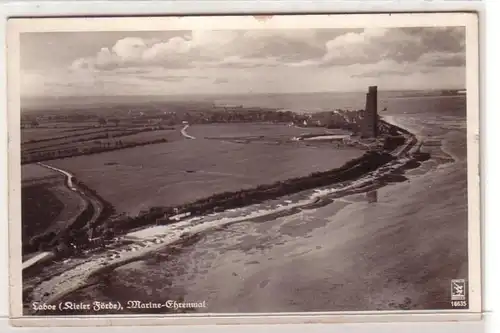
(199, 168)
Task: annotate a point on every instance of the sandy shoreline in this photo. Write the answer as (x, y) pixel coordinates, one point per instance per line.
(154, 238)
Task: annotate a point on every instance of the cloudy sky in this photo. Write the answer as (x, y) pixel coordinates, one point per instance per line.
(243, 61)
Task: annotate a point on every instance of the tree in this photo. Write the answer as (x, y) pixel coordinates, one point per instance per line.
(43, 246)
(63, 247)
(35, 123)
(108, 234)
(102, 121)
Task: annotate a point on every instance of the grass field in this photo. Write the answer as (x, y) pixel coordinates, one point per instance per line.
(33, 172)
(55, 130)
(185, 170)
(43, 133)
(153, 135)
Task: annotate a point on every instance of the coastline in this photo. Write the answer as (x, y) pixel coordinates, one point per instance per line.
(60, 286)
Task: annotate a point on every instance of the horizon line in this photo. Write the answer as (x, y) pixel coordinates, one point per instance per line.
(239, 93)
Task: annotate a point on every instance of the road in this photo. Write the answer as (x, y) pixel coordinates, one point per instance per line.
(92, 200)
(69, 176)
(185, 134)
(38, 258)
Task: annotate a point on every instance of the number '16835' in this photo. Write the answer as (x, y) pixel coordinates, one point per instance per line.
(458, 303)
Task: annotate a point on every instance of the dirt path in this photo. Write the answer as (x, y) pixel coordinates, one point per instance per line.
(95, 202)
(69, 176)
(185, 134)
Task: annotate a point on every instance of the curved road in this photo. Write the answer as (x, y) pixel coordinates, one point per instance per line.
(69, 176)
(184, 133)
(95, 202)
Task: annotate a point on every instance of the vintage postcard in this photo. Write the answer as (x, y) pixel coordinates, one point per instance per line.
(242, 169)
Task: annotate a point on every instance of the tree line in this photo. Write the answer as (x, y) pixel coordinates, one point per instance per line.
(74, 151)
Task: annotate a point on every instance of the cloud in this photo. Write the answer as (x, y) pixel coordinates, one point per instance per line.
(273, 48)
(128, 52)
(240, 62)
(426, 63)
(382, 68)
(405, 45)
(212, 48)
(442, 59)
(220, 80)
(353, 48)
(260, 60)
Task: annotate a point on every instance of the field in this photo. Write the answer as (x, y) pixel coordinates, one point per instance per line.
(29, 134)
(33, 172)
(98, 139)
(40, 209)
(54, 139)
(184, 170)
(47, 204)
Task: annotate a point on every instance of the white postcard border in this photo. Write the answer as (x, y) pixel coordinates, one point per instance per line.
(18, 26)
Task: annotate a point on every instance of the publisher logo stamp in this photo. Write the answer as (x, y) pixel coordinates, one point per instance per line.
(458, 290)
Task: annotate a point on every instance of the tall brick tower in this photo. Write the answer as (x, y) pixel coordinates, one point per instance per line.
(369, 126)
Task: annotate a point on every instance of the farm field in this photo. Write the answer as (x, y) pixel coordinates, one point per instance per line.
(57, 139)
(63, 144)
(53, 129)
(31, 172)
(111, 136)
(41, 133)
(169, 134)
(47, 204)
(184, 170)
(84, 134)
